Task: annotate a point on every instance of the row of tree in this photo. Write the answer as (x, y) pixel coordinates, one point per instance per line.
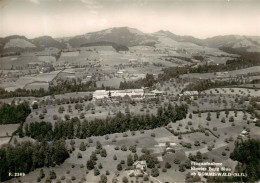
(98, 127)
(202, 85)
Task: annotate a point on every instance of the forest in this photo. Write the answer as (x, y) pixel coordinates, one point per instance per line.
(98, 127)
(61, 88)
(27, 156)
(247, 154)
(11, 114)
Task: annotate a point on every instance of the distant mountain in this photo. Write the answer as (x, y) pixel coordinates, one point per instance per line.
(121, 35)
(246, 43)
(188, 39)
(18, 43)
(47, 41)
(125, 36)
(15, 43)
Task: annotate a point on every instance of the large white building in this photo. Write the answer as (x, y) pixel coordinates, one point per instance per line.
(133, 93)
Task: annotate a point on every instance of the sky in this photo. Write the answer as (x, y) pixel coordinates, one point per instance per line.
(65, 18)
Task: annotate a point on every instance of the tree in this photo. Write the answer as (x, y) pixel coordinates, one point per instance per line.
(90, 164)
(123, 148)
(103, 179)
(42, 174)
(231, 119)
(61, 109)
(98, 145)
(155, 172)
(100, 166)
(197, 143)
(82, 146)
(79, 155)
(35, 105)
(181, 167)
(107, 172)
(103, 153)
(168, 165)
(41, 116)
(96, 172)
(208, 117)
(52, 174)
(82, 116)
(114, 157)
(146, 178)
(247, 153)
(190, 116)
(125, 180)
(119, 167)
(223, 120)
(130, 160)
(93, 156)
(176, 161)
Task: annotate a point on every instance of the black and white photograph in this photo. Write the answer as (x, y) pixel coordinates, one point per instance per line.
(129, 91)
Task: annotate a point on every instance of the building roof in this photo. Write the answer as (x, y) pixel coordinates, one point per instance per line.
(140, 163)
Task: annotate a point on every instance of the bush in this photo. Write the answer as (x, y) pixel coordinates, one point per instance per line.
(123, 148)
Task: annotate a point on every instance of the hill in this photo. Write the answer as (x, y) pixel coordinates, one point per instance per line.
(121, 35)
(47, 41)
(129, 37)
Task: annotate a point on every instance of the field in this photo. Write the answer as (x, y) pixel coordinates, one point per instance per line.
(156, 144)
(27, 80)
(6, 132)
(212, 121)
(233, 91)
(234, 73)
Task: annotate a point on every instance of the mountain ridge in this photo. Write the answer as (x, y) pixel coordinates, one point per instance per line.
(128, 37)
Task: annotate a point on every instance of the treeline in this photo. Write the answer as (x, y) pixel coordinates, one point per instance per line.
(98, 127)
(7, 54)
(244, 55)
(202, 85)
(248, 156)
(11, 114)
(148, 81)
(27, 156)
(62, 87)
(173, 72)
(117, 47)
